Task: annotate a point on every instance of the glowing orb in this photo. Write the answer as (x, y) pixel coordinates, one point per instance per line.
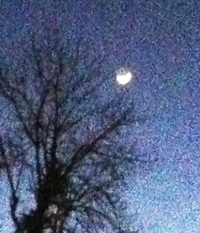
(124, 78)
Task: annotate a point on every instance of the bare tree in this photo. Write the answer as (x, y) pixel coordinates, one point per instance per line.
(64, 139)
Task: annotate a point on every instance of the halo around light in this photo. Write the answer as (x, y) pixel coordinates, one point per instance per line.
(124, 78)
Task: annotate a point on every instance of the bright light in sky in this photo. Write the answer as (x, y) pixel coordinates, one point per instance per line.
(124, 78)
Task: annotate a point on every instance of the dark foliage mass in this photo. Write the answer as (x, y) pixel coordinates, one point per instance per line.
(60, 134)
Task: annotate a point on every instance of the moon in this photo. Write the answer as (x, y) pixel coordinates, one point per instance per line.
(124, 78)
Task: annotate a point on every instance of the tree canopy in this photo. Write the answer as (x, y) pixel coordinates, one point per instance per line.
(61, 124)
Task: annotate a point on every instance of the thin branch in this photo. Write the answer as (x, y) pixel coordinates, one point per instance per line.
(83, 151)
(14, 198)
(55, 130)
(19, 115)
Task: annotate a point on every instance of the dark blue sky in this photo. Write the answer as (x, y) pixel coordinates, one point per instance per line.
(159, 42)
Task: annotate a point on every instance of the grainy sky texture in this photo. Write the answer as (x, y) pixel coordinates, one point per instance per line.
(160, 43)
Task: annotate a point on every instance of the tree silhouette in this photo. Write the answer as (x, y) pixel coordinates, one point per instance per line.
(58, 133)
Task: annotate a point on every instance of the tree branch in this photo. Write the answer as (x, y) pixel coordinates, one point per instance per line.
(14, 198)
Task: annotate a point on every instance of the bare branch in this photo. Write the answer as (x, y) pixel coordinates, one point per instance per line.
(14, 198)
(84, 150)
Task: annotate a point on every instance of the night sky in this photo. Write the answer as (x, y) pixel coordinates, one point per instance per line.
(159, 41)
